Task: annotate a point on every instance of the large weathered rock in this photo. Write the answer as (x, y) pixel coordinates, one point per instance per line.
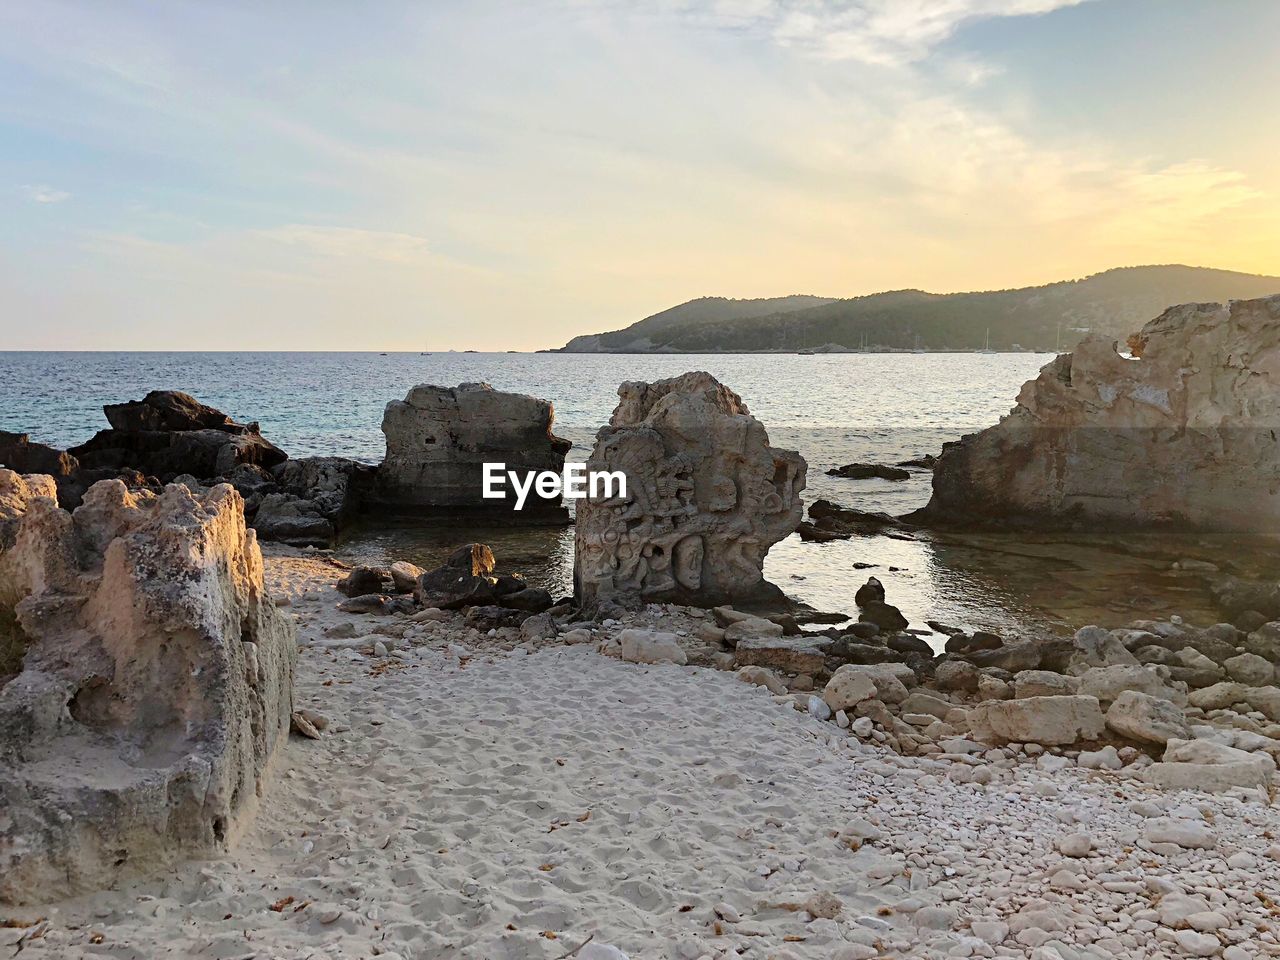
(1181, 434)
(168, 433)
(706, 497)
(439, 438)
(1140, 716)
(1044, 720)
(156, 685)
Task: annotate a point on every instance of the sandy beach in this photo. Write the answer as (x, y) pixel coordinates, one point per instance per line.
(477, 797)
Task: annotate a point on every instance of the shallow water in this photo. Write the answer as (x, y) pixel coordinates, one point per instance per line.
(834, 409)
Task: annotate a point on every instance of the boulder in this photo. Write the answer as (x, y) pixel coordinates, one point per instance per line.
(887, 681)
(650, 646)
(803, 655)
(1093, 431)
(847, 687)
(1265, 642)
(404, 575)
(1149, 719)
(156, 686)
(1107, 683)
(311, 500)
(1250, 669)
(1049, 721)
(168, 433)
(869, 471)
(440, 438)
(462, 580)
(363, 580)
(706, 497)
(1044, 683)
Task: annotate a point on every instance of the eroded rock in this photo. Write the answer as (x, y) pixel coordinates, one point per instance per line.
(1180, 434)
(706, 499)
(155, 689)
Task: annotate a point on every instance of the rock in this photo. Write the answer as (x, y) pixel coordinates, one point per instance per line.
(315, 498)
(650, 646)
(1218, 696)
(1044, 683)
(1208, 753)
(540, 626)
(1208, 778)
(462, 580)
(869, 471)
(886, 680)
(870, 592)
(762, 677)
(993, 688)
(957, 675)
(848, 686)
(1266, 700)
(532, 599)
(1149, 719)
(169, 433)
(439, 438)
(1265, 642)
(706, 498)
(1044, 720)
(1013, 657)
(884, 615)
(404, 575)
(818, 708)
(363, 580)
(1197, 944)
(1108, 758)
(1188, 834)
(805, 654)
(1075, 845)
(750, 628)
(832, 521)
(158, 679)
(1091, 431)
(1107, 683)
(918, 701)
(1250, 670)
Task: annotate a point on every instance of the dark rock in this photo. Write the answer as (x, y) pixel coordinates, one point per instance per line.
(508, 583)
(870, 592)
(532, 599)
(884, 615)
(790, 628)
(315, 498)
(1014, 657)
(939, 627)
(166, 410)
(1246, 622)
(491, 617)
(906, 643)
(811, 534)
(831, 518)
(846, 650)
(362, 581)
(863, 630)
(368, 603)
(869, 471)
(927, 462)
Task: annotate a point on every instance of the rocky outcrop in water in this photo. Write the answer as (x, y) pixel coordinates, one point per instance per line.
(1182, 432)
(706, 497)
(439, 438)
(155, 687)
(169, 433)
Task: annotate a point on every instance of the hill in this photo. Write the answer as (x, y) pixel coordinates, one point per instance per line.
(1053, 316)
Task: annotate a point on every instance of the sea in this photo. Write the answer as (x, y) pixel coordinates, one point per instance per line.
(833, 408)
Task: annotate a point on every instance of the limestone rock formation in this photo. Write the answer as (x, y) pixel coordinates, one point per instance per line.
(155, 688)
(439, 438)
(1181, 433)
(310, 499)
(706, 497)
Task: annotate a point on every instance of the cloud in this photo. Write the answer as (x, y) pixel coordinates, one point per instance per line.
(351, 242)
(41, 193)
(881, 32)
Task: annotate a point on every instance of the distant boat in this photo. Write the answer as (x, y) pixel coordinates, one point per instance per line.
(382, 354)
(986, 347)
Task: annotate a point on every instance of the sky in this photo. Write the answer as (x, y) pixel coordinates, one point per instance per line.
(318, 175)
